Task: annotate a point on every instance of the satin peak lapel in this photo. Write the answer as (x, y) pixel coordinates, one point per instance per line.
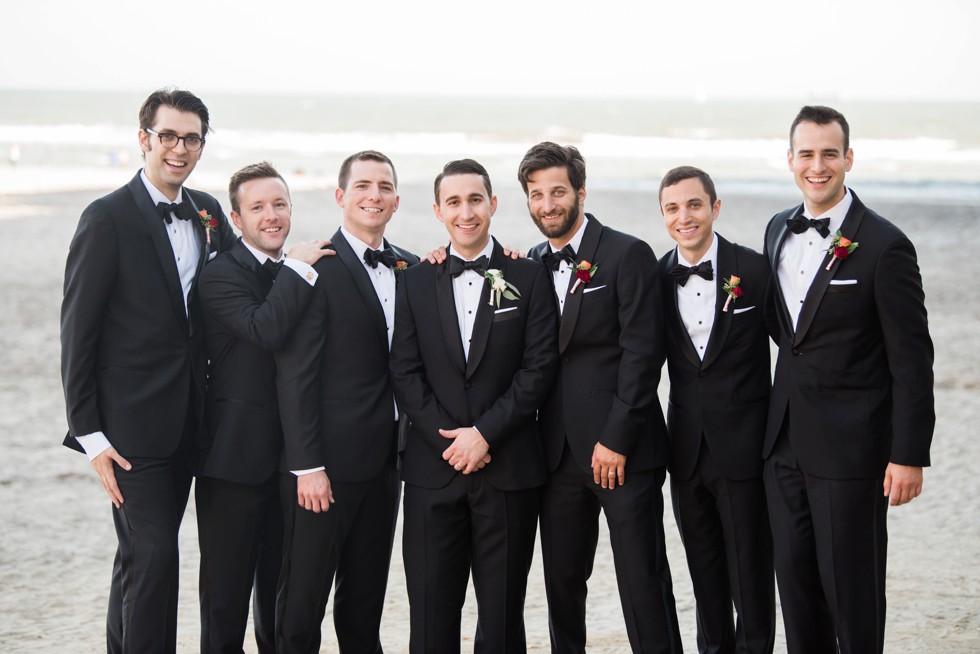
(774, 246)
(852, 221)
(446, 305)
(727, 266)
(573, 301)
(674, 314)
(484, 314)
(353, 262)
(165, 251)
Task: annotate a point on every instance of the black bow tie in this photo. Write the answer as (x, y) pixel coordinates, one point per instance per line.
(385, 257)
(553, 260)
(273, 267)
(183, 210)
(801, 223)
(457, 266)
(680, 272)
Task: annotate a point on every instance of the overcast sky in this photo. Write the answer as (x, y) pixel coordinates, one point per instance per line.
(705, 49)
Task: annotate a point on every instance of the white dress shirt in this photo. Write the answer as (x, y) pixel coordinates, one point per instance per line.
(467, 289)
(565, 269)
(696, 299)
(802, 255)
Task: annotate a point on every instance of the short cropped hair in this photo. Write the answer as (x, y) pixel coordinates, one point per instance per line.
(463, 167)
(176, 99)
(260, 170)
(681, 173)
(364, 155)
(821, 116)
(551, 155)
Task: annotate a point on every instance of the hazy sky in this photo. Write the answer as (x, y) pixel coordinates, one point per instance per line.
(711, 49)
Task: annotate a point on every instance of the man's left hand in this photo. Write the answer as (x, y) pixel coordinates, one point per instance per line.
(608, 467)
(902, 483)
(468, 453)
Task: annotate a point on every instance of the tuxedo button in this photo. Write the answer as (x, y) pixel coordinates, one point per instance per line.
(468, 385)
(700, 373)
(565, 360)
(796, 352)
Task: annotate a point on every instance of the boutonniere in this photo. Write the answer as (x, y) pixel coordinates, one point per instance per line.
(733, 288)
(208, 222)
(583, 274)
(840, 248)
(400, 266)
(500, 287)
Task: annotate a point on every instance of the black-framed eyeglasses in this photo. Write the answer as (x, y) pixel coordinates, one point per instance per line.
(192, 143)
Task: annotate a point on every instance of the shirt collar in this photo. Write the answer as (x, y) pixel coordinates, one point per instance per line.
(357, 245)
(259, 255)
(486, 252)
(156, 194)
(710, 255)
(837, 213)
(576, 241)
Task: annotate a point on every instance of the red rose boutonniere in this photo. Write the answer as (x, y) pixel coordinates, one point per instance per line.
(209, 223)
(583, 274)
(400, 266)
(840, 248)
(733, 288)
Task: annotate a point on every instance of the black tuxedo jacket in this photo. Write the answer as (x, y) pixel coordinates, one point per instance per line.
(335, 396)
(130, 354)
(511, 365)
(611, 346)
(856, 373)
(725, 396)
(247, 315)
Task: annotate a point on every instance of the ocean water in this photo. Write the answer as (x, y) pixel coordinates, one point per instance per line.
(76, 139)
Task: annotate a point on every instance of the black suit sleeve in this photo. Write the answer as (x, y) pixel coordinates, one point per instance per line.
(412, 390)
(90, 274)
(900, 302)
(641, 339)
(228, 298)
(298, 384)
(539, 365)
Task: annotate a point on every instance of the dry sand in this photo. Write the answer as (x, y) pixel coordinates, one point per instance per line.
(57, 543)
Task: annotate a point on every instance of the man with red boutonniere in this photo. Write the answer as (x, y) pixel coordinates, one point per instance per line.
(604, 433)
(718, 360)
(133, 359)
(339, 477)
(851, 415)
(471, 381)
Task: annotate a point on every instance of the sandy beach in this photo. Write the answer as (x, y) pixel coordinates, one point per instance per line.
(57, 543)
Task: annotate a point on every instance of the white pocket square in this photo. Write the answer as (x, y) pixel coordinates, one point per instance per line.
(212, 255)
(842, 282)
(743, 310)
(504, 310)
(593, 288)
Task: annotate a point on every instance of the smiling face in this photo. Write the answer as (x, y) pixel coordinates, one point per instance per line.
(819, 164)
(168, 168)
(265, 214)
(555, 207)
(689, 216)
(369, 201)
(465, 208)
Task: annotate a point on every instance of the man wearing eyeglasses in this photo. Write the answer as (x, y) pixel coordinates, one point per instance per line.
(133, 359)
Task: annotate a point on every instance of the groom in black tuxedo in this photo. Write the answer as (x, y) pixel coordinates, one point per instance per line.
(474, 355)
(251, 297)
(852, 414)
(133, 360)
(602, 421)
(718, 359)
(339, 481)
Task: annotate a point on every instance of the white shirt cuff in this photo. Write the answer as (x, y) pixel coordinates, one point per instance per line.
(302, 269)
(94, 444)
(300, 473)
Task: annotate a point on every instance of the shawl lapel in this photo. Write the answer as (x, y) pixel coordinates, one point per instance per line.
(573, 301)
(365, 289)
